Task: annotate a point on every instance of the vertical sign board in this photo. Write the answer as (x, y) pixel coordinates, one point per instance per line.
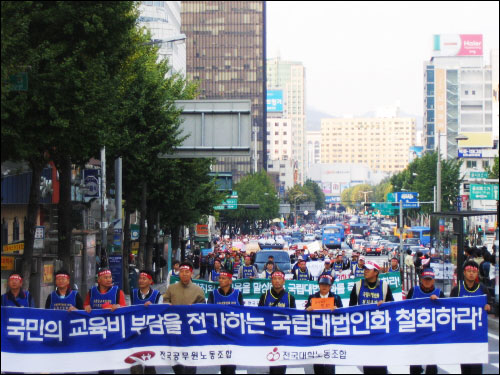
(115, 265)
(274, 101)
(39, 237)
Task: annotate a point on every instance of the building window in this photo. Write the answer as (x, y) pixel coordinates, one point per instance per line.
(473, 92)
(471, 164)
(15, 230)
(486, 164)
(466, 92)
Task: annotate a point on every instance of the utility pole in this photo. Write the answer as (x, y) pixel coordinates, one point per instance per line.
(104, 223)
(401, 228)
(438, 174)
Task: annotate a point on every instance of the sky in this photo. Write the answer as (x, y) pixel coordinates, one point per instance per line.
(360, 56)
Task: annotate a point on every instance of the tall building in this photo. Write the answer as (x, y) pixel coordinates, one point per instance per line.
(457, 94)
(313, 148)
(226, 56)
(289, 76)
(163, 19)
(382, 144)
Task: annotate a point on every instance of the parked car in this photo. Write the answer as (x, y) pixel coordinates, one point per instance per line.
(309, 237)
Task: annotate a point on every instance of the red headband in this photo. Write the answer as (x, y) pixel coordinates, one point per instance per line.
(16, 277)
(186, 267)
(146, 275)
(471, 268)
(278, 274)
(62, 275)
(226, 274)
(104, 272)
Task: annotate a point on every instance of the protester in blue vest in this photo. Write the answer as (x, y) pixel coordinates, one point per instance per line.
(338, 265)
(325, 283)
(346, 263)
(63, 298)
(16, 296)
(214, 274)
(426, 289)
(469, 287)
(277, 296)
(327, 270)
(268, 271)
(358, 269)
(394, 265)
(371, 290)
(105, 295)
(302, 273)
(226, 295)
(247, 271)
(145, 295)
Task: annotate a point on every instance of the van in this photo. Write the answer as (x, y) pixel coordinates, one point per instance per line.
(281, 260)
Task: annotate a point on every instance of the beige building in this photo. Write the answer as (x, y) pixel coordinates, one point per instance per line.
(289, 76)
(313, 138)
(380, 143)
(279, 139)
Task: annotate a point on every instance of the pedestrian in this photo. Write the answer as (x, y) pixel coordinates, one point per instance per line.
(247, 271)
(173, 272)
(63, 298)
(346, 263)
(214, 275)
(371, 290)
(226, 295)
(302, 273)
(145, 295)
(236, 264)
(338, 265)
(105, 295)
(203, 266)
(394, 265)
(426, 289)
(210, 262)
(358, 270)
(15, 295)
(184, 292)
(268, 271)
(277, 296)
(469, 287)
(409, 264)
(354, 259)
(325, 283)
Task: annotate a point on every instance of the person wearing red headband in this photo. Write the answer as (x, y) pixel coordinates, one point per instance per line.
(371, 290)
(105, 295)
(64, 298)
(277, 296)
(469, 287)
(16, 296)
(145, 295)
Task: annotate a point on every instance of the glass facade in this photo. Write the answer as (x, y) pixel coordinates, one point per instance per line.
(452, 103)
(429, 117)
(225, 50)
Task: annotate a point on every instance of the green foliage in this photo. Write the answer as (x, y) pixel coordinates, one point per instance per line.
(319, 196)
(493, 171)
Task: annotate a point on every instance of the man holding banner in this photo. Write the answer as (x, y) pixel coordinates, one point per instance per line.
(277, 296)
(63, 298)
(318, 301)
(371, 290)
(226, 295)
(15, 296)
(105, 295)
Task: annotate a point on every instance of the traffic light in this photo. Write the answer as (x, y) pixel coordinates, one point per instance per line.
(479, 229)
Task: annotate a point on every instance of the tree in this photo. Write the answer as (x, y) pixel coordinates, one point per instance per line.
(319, 196)
(493, 172)
(71, 52)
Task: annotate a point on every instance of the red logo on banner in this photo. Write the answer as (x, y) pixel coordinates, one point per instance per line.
(139, 357)
(273, 356)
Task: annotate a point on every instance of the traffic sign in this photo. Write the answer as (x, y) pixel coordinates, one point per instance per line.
(479, 174)
(409, 199)
(483, 192)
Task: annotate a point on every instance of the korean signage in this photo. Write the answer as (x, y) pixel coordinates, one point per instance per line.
(201, 230)
(458, 45)
(274, 100)
(470, 153)
(440, 100)
(91, 182)
(483, 192)
(39, 237)
(332, 199)
(410, 199)
(479, 174)
(14, 248)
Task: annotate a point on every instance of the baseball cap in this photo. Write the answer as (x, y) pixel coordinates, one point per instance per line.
(372, 266)
(327, 260)
(325, 279)
(428, 274)
(362, 258)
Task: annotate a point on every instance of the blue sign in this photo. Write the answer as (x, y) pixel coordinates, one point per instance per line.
(91, 183)
(330, 199)
(444, 331)
(116, 268)
(410, 199)
(274, 100)
(470, 153)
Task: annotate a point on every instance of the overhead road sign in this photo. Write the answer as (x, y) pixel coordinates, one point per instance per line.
(483, 192)
(409, 199)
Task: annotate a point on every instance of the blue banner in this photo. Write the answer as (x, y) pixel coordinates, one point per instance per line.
(421, 331)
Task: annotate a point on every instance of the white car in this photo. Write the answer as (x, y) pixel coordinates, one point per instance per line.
(309, 237)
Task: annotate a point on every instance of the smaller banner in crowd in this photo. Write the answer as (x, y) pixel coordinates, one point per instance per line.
(412, 332)
(253, 288)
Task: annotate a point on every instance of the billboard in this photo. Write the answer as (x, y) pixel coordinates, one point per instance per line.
(274, 101)
(458, 45)
(415, 152)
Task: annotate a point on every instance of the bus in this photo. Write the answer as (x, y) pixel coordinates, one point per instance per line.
(332, 236)
(422, 233)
